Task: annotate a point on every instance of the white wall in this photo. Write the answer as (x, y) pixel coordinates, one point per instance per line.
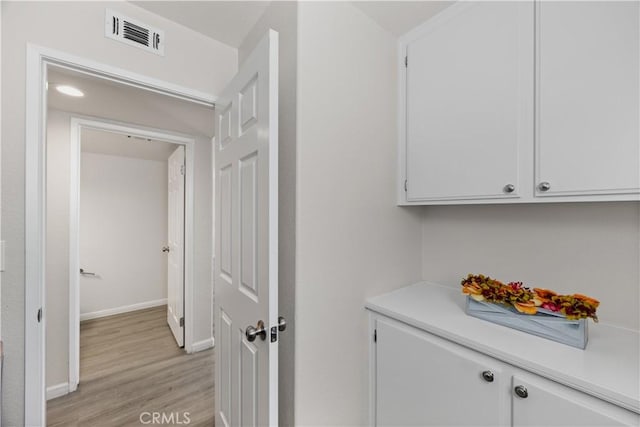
(1, 235)
(123, 226)
(282, 17)
(57, 249)
(588, 248)
(191, 60)
(352, 240)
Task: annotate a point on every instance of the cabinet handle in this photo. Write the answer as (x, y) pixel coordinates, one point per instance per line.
(509, 188)
(544, 186)
(488, 376)
(521, 391)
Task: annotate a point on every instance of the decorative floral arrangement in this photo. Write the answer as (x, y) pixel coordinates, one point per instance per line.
(527, 301)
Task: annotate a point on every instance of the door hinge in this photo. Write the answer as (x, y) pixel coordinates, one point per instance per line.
(182, 169)
(182, 322)
(375, 335)
(405, 185)
(406, 61)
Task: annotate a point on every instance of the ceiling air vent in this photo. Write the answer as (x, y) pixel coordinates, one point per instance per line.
(133, 32)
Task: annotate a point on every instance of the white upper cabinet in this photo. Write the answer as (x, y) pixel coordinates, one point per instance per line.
(511, 102)
(469, 83)
(587, 139)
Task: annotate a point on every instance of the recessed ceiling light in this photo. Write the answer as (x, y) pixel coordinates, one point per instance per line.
(69, 90)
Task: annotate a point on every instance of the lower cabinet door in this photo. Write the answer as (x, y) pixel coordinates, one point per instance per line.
(423, 380)
(540, 402)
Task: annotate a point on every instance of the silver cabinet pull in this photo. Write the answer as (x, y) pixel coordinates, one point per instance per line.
(544, 186)
(86, 273)
(166, 249)
(259, 331)
(488, 376)
(509, 188)
(521, 391)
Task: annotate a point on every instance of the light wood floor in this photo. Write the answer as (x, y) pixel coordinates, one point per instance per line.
(130, 364)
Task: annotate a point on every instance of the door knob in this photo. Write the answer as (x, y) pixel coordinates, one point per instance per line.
(509, 188)
(488, 376)
(165, 249)
(258, 331)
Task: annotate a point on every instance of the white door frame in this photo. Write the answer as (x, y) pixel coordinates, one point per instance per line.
(78, 123)
(38, 59)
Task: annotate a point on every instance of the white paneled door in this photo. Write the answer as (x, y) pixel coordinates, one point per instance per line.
(175, 248)
(246, 242)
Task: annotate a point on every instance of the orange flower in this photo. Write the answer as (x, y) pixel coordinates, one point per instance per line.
(587, 299)
(525, 307)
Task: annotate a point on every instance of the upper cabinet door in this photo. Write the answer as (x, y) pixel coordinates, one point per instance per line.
(469, 102)
(587, 139)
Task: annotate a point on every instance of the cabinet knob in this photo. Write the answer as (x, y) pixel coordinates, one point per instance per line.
(509, 188)
(544, 186)
(488, 376)
(521, 391)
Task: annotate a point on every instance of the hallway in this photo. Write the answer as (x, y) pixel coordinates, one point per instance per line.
(130, 366)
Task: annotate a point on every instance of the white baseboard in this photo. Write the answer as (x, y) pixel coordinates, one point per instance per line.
(57, 390)
(124, 309)
(202, 345)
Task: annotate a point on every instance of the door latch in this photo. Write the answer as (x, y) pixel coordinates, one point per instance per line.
(282, 325)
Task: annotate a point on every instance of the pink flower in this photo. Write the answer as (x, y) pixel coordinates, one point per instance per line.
(550, 306)
(515, 285)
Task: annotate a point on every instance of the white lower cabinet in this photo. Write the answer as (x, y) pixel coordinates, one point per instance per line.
(548, 403)
(420, 379)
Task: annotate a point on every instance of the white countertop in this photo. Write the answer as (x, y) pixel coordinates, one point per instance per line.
(609, 368)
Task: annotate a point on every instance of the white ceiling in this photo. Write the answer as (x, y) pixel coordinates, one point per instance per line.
(116, 102)
(225, 21)
(399, 17)
(116, 144)
(230, 21)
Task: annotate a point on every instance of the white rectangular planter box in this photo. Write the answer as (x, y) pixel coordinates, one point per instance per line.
(545, 323)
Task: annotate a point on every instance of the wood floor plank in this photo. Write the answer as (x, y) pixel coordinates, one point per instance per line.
(129, 365)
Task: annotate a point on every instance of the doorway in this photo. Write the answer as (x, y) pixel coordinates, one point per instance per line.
(198, 334)
(129, 166)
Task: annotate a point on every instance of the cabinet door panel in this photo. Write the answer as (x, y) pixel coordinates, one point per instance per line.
(422, 380)
(551, 404)
(588, 97)
(469, 102)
